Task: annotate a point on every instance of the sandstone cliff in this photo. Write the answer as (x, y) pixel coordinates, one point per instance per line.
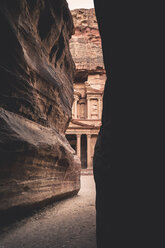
(85, 44)
(36, 95)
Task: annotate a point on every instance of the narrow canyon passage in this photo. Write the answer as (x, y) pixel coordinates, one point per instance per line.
(69, 223)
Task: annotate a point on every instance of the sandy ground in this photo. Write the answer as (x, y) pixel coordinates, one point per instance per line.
(69, 223)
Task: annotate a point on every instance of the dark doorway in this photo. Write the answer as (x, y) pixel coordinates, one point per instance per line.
(84, 151)
(72, 140)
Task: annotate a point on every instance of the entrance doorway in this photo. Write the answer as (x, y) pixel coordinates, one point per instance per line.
(72, 140)
(83, 151)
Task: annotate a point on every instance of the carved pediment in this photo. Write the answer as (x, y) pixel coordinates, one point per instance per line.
(79, 124)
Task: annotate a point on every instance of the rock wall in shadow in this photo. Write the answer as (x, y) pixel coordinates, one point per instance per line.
(36, 95)
(127, 163)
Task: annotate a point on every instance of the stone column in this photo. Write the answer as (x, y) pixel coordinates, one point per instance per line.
(100, 108)
(75, 114)
(88, 108)
(79, 145)
(89, 161)
(73, 109)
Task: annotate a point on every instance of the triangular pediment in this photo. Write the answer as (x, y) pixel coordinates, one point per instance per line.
(79, 124)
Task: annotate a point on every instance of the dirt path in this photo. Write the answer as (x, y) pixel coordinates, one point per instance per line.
(69, 223)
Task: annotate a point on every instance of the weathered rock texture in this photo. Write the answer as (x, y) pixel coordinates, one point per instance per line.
(85, 44)
(36, 95)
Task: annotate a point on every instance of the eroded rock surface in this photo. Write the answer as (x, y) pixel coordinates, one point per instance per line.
(85, 44)
(36, 95)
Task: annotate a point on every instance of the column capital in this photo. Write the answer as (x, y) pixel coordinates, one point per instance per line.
(76, 98)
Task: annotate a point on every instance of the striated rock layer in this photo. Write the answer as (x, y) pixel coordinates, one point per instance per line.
(85, 44)
(36, 95)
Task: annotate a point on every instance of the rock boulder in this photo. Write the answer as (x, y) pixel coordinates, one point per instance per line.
(36, 95)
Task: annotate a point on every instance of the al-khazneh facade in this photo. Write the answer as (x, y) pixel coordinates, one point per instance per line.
(89, 84)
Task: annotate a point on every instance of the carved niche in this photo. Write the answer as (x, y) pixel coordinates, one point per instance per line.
(82, 109)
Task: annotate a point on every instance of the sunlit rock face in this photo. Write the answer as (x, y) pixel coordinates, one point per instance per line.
(36, 95)
(85, 44)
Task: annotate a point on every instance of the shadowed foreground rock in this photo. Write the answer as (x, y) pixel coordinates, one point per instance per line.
(127, 161)
(36, 95)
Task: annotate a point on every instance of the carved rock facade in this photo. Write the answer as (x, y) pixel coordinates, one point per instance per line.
(89, 81)
(36, 95)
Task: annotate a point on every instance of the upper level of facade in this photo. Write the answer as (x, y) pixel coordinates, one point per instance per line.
(88, 95)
